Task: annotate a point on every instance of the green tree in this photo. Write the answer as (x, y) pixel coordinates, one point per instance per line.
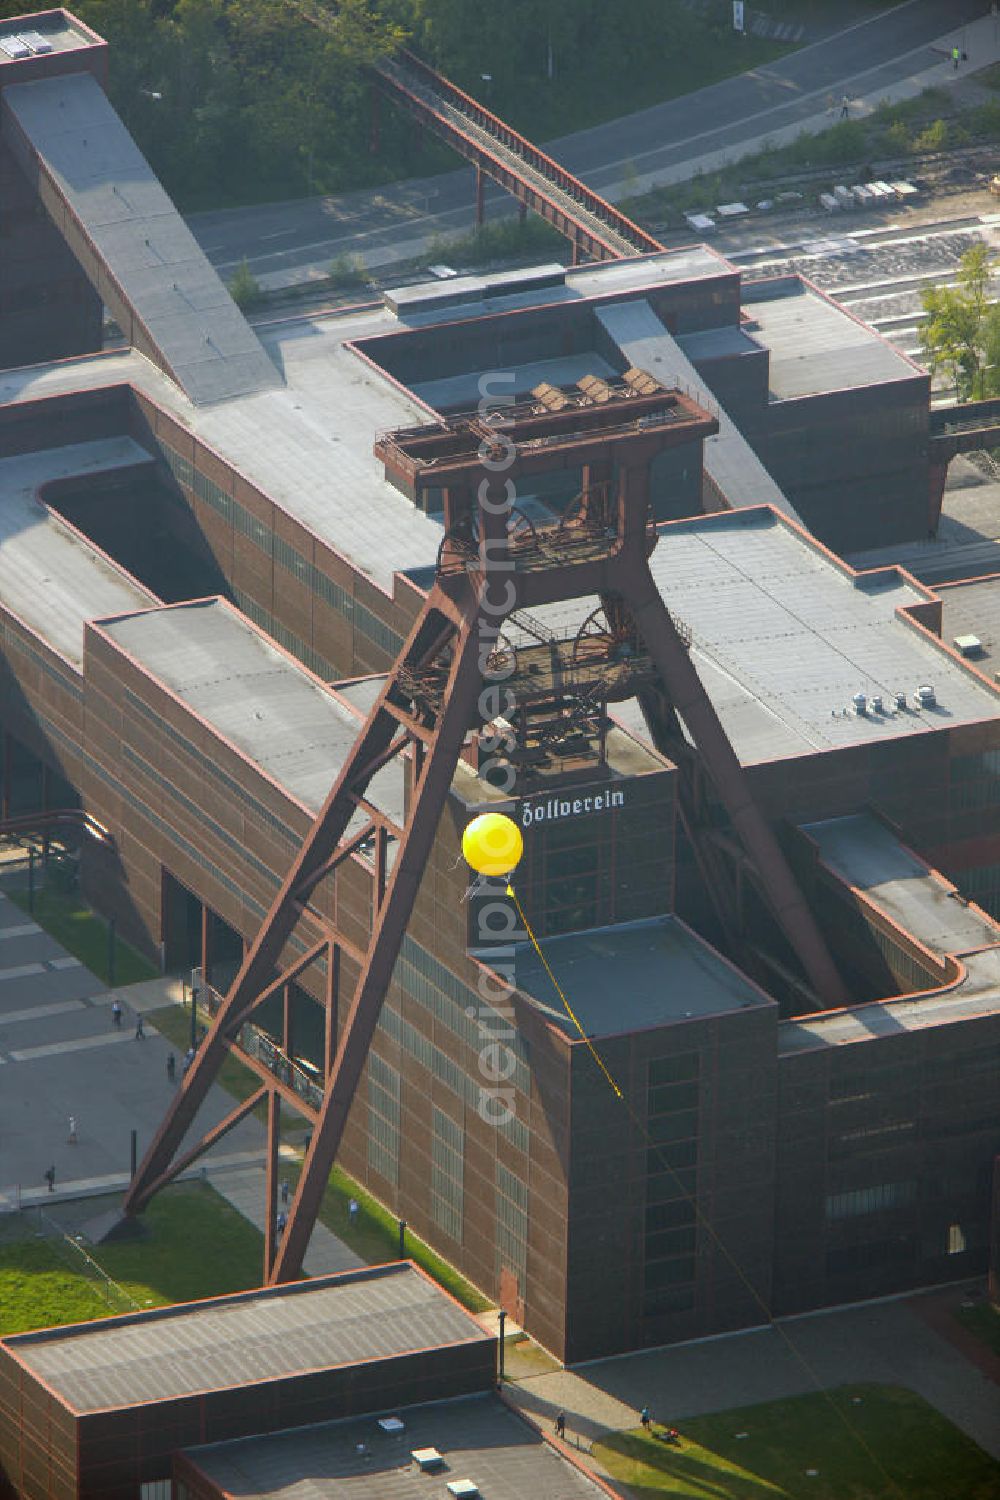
(960, 335)
(244, 288)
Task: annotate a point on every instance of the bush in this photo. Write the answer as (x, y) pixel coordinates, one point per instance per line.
(933, 137)
(898, 138)
(985, 121)
(349, 270)
(244, 288)
(846, 141)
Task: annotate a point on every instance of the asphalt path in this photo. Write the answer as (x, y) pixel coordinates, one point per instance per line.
(867, 56)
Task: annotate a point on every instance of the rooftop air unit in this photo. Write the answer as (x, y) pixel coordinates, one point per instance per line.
(36, 41)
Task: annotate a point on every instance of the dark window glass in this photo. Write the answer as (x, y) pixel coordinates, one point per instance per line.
(675, 1068)
(670, 1272)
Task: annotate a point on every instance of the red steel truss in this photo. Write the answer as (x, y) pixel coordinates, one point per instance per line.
(492, 563)
(595, 227)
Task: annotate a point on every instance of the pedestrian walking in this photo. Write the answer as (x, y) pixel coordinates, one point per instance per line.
(116, 1012)
(50, 1178)
(282, 1221)
(352, 1210)
(72, 1130)
(956, 54)
(171, 1068)
(188, 1059)
(284, 1192)
(845, 107)
(140, 1035)
(644, 1416)
(560, 1424)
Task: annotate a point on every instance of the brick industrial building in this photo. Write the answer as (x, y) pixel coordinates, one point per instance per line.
(334, 1383)
(213, 550)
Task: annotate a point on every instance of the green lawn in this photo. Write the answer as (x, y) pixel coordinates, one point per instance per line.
(866, 1442)
(174, 1022)
(38, 1290)
(196, 1245)
(375, 1234)
(84, 934)
(984, 1321)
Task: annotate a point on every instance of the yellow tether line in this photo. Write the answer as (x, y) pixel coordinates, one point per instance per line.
(853, 1431)
(559, 991)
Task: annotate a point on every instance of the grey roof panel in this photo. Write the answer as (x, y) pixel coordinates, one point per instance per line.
(978, 994)
(234, 1341)
(815, 345)
(729, 459)
(782, 638)
(50, 577)
(478, 1437)
(633, 976)
(256, 697)
(864, 853)
(202, 338)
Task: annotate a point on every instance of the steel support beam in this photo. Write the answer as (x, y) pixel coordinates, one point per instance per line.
(690, 700)
(208, 1140)
(319, 847)
(427, 800)
(442, 651)
(271, 1236)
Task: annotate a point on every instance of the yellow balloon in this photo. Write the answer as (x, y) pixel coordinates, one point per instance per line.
(492, 844)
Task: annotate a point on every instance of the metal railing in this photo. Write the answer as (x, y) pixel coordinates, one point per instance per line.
(258, 1044)
(33, 1222)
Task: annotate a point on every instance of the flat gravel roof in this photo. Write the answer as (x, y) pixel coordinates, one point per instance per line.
(245, 1339)
(634, 975)
(50, 576)
(478, 1438)
(864, 853)
(267, 705)
(138, 235)
(815, 345)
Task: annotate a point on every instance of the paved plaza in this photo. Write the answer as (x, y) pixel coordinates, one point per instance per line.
(62, 1058)
(875, 1343)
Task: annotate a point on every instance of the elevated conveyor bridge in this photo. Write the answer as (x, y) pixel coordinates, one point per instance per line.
(594, 227)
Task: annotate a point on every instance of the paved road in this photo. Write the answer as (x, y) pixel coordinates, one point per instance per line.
(871, 58)
(868, 57)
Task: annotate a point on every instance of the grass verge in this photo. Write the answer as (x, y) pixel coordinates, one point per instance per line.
(196, 1245)
(931, 122)
(374, 1234)
(505, 240)
(984, 1321)
(865, 1442)
(174, 1023)
(83, 933)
